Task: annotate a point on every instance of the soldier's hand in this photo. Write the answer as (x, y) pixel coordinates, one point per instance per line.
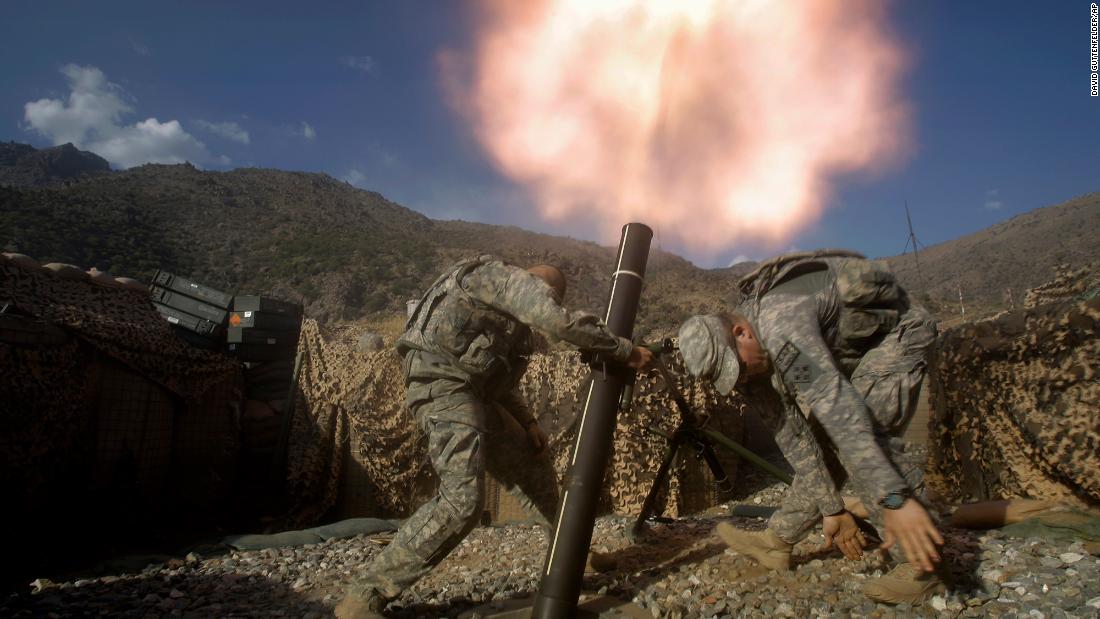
(912, 527)
(841, 529)
(640, 358)
(537, 438)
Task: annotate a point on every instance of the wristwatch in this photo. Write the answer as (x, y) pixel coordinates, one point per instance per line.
(895, 499)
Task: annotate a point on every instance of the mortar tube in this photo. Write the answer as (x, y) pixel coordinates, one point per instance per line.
(565, 558)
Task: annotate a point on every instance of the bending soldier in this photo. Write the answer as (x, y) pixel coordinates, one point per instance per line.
(843, 345)
(465, 349)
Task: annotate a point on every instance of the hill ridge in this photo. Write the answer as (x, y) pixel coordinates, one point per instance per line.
(347, 252)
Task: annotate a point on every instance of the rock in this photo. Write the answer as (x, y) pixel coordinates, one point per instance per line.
(1070, 557)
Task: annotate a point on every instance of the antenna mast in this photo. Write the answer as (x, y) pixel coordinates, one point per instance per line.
(912, 240)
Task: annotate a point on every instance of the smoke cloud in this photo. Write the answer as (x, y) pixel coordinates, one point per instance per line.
(717, 122)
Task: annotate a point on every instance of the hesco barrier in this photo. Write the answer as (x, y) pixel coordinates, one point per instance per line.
(1015, 405)
(355, 449)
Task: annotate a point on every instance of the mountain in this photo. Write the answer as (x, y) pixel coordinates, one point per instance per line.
(342, 251)
(347, 253)
(993, 268)
(24, 165)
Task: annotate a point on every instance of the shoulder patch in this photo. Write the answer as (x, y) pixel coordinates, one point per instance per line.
(786, 356)
(794, 366)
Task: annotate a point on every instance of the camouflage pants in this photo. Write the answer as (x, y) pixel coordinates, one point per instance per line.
(889, 378)
(461, 452)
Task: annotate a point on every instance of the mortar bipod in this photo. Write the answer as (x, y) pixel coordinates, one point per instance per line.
(691, 431)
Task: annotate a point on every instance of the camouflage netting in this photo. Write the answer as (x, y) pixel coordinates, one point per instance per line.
(79, 355)
(354, 447)
(120, 322)
(351, 437)
(1068, 283)
(1015, 403)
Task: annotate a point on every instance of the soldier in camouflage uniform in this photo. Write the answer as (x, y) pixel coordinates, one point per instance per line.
(465, 349)
(832, 336)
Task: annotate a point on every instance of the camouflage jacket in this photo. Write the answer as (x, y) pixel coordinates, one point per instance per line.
(815, 325)
(471, 327)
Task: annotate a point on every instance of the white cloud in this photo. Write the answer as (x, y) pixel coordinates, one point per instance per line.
(139, 48)
(363, 64)
(308, 132)
(92, 120)
(227, 130)
(992, 200)
(739, 259)
(150, 141)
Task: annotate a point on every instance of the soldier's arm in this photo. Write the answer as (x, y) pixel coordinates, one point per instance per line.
(529, 300)
(802, 451)
(805, 364)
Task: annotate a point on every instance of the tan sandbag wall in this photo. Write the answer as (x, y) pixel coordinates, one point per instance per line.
(355, 447)
(1016, 406)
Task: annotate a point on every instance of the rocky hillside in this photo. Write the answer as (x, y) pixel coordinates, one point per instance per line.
(994, 267)
(24, 165)
(348, 253)
(342, 251)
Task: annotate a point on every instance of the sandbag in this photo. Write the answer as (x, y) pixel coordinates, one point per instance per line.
(355, 526)
(22, 261)
(275, 540)
(316, 535)
(69, 272)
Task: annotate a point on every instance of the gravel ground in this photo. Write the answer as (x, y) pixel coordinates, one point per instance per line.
(681, 569)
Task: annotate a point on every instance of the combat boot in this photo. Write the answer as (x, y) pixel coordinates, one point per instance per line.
(764, 547)
(904, 583)
(599, 563)
(361, 603)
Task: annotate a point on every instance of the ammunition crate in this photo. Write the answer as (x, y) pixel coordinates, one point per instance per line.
(188, 304)
(189, 288)
(253, 303)
(265, 320)
(246, 335)
(184, 320)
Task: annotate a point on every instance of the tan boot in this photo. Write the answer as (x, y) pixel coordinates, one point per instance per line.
(361, 603)
(904, 583)
(764, 547)
(599, 563)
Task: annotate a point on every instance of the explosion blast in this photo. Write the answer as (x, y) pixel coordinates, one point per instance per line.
(714, 121)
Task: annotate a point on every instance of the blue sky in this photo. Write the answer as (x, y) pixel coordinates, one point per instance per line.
(1003, 118)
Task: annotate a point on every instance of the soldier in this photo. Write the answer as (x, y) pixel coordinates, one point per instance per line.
(843, 345)
(465, 349)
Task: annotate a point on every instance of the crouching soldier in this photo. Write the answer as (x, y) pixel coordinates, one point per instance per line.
(832, 336)
(465, 349)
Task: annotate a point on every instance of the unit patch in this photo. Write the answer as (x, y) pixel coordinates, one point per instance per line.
(794, 366)
(786, 356)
